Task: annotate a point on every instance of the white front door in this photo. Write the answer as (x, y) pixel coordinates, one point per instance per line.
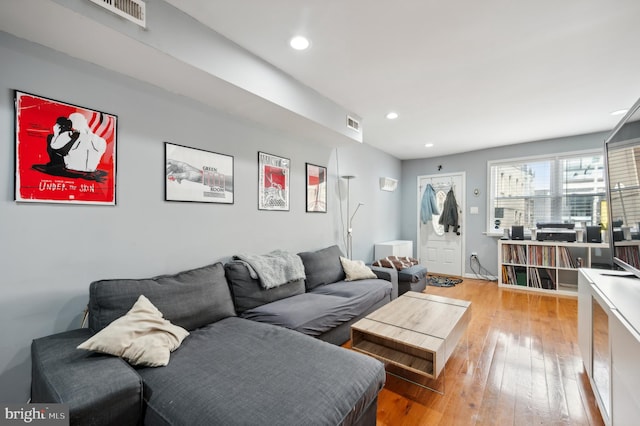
(439, 249)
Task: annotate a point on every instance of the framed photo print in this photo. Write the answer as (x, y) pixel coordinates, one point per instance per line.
(273, 182)
(64, 153)
(316, 188)
(196, 175)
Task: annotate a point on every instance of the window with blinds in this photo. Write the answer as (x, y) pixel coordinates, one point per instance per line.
(567, 188)
(625, 186)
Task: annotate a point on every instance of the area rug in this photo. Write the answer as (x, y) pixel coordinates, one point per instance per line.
(436, 281)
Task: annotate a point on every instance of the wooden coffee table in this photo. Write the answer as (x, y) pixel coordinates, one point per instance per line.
(416, 332)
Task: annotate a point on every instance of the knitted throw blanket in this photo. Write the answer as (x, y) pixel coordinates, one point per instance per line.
(275, 268)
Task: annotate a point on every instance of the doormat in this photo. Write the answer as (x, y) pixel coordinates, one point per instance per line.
(442, 281)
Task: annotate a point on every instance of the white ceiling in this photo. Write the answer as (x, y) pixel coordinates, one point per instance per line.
(462, 74)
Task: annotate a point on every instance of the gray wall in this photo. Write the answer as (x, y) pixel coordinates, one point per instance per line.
(474, 163)
(50, 253)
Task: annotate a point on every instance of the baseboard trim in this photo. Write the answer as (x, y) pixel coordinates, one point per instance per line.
(478, 277)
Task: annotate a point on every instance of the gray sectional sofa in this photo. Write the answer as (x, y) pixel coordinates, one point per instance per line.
(322, 305)
(253, 356)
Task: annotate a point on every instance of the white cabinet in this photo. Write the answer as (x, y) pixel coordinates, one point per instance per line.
(545, 266)
(585, 321)
(608, 323)
(393, 248)
(625, 374)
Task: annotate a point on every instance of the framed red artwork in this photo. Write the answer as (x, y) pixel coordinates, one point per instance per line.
(64, 153)
(316, 188)
(273, 182)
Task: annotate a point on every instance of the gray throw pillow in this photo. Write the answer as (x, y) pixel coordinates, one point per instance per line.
(322, 266)
(189, 299)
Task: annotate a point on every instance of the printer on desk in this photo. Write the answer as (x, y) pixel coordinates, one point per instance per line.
(556, 232)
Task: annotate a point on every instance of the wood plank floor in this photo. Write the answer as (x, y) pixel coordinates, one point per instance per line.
(518, 365)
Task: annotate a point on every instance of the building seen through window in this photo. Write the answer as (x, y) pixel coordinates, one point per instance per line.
(560, 189)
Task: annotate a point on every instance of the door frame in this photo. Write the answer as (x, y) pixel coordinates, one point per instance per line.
(461, 199)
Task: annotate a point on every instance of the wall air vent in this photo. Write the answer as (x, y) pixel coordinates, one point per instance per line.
(388, 184)
(133, 10)
(353, 124)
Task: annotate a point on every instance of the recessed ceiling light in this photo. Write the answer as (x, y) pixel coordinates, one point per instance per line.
(299, 43)
(392, 115)
(620, 112)
(428, 145)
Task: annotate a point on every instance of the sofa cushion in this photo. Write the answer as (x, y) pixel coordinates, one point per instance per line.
(322, 267)
(189, 299)
(413, 274)
(99, 389)
(373, 289)
(247, 292)
(141, 337)
(324, 308)
(308, 313)
(239, 372)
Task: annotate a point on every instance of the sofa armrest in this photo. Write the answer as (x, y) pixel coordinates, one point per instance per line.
(388, 274)
(99, 389)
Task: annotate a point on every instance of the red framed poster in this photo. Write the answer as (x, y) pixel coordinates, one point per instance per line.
(316, 188)
(273, 182)
(64, 153)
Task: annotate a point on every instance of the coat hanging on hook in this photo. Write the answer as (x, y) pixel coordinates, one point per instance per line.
(429, 205)
(449, 216)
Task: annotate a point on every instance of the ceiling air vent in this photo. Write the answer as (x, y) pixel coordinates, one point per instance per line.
(133, 10)
(353, 124)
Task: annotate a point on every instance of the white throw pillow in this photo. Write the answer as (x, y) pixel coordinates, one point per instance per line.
(356, 270)
(141, 337)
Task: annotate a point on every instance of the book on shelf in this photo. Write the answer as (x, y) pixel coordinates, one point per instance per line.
(629, 254)
(512, 253)
(542, 256)
(549, 282)
(515, 275)
(565, 258)
(542, 278)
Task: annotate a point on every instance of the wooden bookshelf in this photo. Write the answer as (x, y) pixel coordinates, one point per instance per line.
(546, 266)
